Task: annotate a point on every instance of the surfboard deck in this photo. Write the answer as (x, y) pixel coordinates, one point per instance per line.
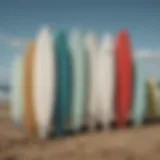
(123, 56)
(79, 79)
(91, 47)
(29, 116)
(152, 103)
(139, 96)
(17, 107)
(44, 82)
(158, 98)
(106, 81)
(62, 110)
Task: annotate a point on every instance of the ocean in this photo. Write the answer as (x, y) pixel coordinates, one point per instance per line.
(4, 93)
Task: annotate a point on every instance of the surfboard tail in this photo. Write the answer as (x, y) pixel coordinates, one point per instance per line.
(43, 132)
(121, 118)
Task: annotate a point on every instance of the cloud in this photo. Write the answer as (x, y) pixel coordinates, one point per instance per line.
(142, 53)
(12, 41)
(147, 54)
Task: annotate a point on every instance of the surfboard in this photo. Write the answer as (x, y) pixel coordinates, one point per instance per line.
(29, 116)
(106, 81)
(17, 105)
(158, 98)
(44, 82)
(152, 103)
(63, 98)
(139, 93)
(91, 48)
(79, 79)
(123, 56)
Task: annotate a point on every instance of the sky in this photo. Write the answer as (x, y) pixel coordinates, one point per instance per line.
(21, 19)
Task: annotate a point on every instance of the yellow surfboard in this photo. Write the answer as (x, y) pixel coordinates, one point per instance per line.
(152, 110)
(29, 119)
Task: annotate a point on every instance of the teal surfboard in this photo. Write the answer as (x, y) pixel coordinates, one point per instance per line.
(63, 89)
(79, 79)
(139, 96)
(17, 92)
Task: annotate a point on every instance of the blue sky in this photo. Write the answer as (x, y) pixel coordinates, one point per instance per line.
(20, 20)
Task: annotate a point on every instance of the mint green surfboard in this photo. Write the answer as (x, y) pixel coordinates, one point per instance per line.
(79, 79)
(139, 96)
(16, 96)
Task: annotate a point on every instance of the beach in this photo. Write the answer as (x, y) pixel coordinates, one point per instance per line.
(119, 144)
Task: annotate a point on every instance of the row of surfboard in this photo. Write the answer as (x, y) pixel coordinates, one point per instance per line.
(64, 81)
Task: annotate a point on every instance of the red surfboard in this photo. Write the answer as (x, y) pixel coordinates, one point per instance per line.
(123, 57)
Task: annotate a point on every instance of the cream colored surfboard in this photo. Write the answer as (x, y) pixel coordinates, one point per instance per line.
(44, 82)
(106, 81)
(91, 47)
(29, 116)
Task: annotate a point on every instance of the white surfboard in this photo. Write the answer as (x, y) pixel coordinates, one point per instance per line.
(91, 47)
(44, 81)
(16, 95)
(79, 79)
(106, 81)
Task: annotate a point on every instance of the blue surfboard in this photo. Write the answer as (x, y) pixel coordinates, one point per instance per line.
(63, 79)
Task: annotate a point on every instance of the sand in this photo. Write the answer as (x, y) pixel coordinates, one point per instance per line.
(122, 144)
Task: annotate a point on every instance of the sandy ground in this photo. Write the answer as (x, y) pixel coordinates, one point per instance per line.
(122, 144)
